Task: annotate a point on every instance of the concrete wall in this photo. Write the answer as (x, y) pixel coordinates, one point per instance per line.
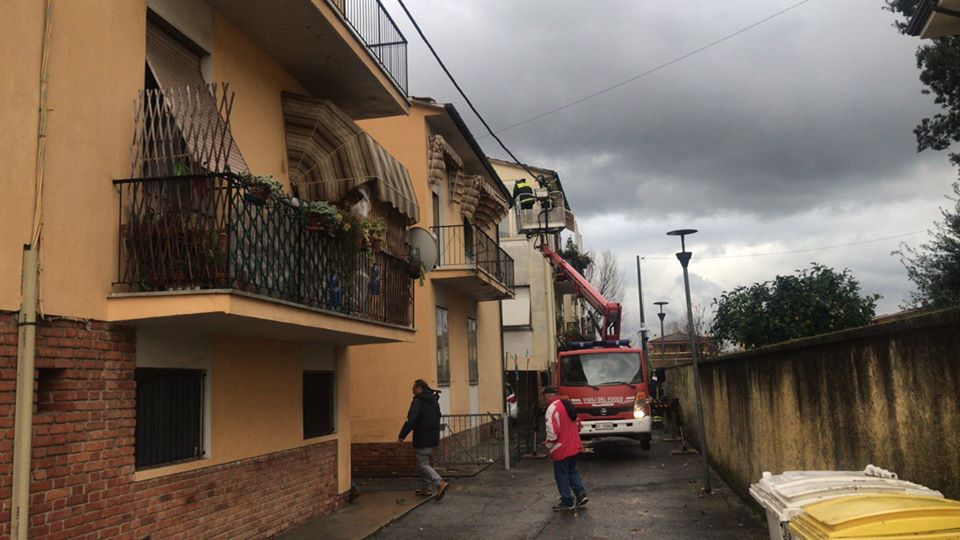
(883, 394)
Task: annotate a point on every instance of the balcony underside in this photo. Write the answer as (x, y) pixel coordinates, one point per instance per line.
(310, 40)
(472, 283)
(232, 312)
(936, 18)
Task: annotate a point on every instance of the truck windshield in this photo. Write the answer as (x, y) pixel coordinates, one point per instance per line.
(600, 368)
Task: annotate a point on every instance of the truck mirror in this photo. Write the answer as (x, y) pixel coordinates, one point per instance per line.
(661, 374)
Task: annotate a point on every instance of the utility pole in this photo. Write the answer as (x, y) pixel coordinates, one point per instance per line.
(643, 322)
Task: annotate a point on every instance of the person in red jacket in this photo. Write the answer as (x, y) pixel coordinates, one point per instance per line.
(563, 442)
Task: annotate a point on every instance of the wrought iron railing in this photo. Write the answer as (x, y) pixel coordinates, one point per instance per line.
(371, 21)
(205, 232)
(468, 245)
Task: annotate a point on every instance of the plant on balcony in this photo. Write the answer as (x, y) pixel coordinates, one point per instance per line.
(373, 231)
(415, 269)
(577, 259)
(325, 216)
(260, 188)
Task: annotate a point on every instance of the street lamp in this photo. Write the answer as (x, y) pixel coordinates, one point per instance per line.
(663, 354)
(684, 257)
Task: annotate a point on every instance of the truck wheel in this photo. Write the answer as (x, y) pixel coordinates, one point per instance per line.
(645, 441)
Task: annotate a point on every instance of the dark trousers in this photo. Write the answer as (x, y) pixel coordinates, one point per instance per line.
(567, 477)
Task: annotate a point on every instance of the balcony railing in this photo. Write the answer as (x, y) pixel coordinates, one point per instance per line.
(468, 246)
(203, 232)
(371, 21)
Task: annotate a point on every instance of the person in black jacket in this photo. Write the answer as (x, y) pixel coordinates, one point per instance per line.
(423, 419)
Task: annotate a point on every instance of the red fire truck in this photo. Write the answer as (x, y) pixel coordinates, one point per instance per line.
(606, 379)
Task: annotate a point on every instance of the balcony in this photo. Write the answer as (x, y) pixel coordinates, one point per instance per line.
(198, 248)
(473, 263)
(348, 51)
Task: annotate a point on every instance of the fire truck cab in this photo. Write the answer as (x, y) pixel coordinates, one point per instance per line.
(607, 383)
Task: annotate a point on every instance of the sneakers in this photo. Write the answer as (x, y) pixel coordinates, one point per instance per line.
(582, 501)
(424, 492)
(442, 489)
(561, 508)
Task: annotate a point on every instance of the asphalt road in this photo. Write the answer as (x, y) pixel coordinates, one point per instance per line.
(633, 494)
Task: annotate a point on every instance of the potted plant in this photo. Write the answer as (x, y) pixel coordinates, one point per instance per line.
(415, 268)
(260, 188)
(579, 261)
(324, 216)
(374, 232)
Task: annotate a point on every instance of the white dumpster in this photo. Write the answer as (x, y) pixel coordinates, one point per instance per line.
(783, 496)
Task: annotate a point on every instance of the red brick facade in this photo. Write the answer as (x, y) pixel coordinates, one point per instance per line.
(398, 459)
(83, 454)
(383, 459)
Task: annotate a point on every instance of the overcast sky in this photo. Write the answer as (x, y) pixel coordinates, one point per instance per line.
(793, 135)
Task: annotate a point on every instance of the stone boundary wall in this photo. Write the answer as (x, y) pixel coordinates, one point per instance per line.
(82, 481)
(886, 394)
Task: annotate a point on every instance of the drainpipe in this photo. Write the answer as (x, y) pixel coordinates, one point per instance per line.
(27, 319)
(23, 427)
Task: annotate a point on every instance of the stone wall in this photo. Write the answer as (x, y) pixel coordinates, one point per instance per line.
(82, 481)
(885, 394)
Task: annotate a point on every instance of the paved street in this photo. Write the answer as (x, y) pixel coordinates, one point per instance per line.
(633, 494)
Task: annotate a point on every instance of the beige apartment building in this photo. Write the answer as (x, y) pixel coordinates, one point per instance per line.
(191, 363)
(457, 348)
(531, 320)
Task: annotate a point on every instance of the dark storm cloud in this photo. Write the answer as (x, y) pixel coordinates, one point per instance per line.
(814, 108)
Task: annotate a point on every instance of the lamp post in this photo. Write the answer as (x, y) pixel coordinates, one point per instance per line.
(663, 354)
(684, 257)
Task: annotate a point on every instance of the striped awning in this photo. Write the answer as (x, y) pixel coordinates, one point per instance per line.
(330, 156)
(441, 158)
(492, 207)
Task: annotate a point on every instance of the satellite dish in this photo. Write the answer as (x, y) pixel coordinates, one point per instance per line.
(423, 243)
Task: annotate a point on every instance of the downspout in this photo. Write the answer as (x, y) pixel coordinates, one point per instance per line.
(27, 320)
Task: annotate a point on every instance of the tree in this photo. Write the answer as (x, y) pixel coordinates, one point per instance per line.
(606, 276)
(814, 301)
(934, 267)
(939, 63)
(701, 322)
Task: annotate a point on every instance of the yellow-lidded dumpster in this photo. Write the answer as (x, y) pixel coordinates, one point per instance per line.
(890, 517)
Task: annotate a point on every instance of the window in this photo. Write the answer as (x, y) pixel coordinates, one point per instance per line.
(318, 403)
(436, 210)
(472, 351)
(443, 347)
(169, 415)
(468, 239)
(503, 228)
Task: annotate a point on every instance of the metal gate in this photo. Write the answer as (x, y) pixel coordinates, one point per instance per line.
(470, 439)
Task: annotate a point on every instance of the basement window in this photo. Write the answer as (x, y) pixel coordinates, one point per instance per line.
(169, 416)
(318, 403)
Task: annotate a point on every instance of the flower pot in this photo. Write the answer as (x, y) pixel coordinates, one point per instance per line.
(315, 223)
(257, 194)
(376, 245)
(413, 271)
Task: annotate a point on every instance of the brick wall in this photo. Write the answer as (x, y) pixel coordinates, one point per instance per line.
(83, 454)
(383, 459)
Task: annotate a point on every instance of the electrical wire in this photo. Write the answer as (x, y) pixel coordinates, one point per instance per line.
(806, 250)
(463, 94)
(645, 73)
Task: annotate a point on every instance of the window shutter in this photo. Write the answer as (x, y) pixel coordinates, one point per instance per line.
(202, 119)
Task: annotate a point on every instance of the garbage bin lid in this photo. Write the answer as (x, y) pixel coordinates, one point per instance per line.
(786, 494)
(892, 517)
